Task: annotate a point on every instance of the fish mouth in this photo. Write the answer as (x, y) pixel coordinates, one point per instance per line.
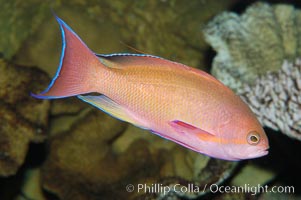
(264, 152)
(254, 154)
(259, 153)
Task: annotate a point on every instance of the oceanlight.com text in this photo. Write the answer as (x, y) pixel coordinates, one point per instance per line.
(213, 188)
(253, 190)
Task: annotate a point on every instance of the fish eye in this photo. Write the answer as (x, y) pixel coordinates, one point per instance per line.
(253, 138)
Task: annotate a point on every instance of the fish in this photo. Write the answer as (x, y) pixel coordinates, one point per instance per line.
(176, 102)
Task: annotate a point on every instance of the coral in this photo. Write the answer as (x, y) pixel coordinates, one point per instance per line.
(276, 99)
(254, 43)
(31, 187)
(15, 134)
(253, 175)
(212, 171)
(69, 106)
(22, 118)
(16, 26)
(80, 165)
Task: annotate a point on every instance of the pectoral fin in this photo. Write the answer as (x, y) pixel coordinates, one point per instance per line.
(188, 130)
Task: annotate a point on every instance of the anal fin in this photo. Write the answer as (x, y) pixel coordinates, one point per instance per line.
(109, 106)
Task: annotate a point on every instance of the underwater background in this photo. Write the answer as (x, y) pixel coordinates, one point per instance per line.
(66, 149)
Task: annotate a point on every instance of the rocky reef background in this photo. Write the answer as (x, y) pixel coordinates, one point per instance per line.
(65, 149)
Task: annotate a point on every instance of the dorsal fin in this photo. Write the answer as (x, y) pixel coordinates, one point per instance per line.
(121, 60)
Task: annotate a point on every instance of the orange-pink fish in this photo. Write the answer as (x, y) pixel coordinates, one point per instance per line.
(172, 100)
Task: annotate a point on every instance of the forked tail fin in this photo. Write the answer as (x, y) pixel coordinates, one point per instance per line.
(77, 68)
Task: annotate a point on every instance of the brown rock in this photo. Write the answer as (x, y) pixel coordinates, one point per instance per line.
(22, 119)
